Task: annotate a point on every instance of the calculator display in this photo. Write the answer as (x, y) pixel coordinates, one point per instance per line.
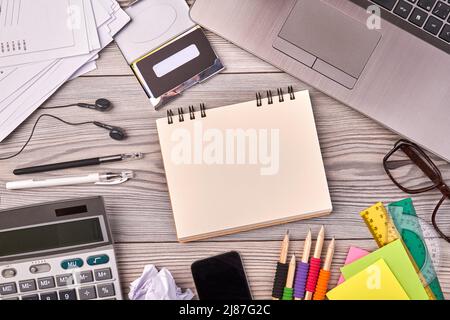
(50, 236)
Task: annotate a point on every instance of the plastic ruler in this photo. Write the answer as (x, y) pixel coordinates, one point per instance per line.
(420, 239)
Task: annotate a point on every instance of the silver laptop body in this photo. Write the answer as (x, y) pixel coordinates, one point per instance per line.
(395, 70)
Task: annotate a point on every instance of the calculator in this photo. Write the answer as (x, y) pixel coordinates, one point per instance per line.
(58, 251)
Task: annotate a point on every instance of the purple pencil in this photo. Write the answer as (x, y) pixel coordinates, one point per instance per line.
(302, 269)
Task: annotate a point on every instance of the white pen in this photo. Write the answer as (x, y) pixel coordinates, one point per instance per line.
(106, 178)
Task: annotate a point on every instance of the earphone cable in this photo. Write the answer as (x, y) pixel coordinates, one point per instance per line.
(34, 128)
(62, 106)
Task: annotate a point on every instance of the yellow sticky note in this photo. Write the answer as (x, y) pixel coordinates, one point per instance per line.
(376, 282)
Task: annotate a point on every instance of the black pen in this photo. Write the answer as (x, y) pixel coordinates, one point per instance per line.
(78, 163)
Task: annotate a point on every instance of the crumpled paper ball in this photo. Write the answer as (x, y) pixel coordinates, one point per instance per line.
(154, 285)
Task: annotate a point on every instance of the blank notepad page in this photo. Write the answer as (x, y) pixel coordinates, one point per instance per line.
(243, 166)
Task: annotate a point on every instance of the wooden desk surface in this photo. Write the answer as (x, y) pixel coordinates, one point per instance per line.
(353, 147)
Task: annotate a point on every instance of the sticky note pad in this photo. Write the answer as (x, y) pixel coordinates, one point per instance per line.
(354, 253)
(397, 259)
(376, 282)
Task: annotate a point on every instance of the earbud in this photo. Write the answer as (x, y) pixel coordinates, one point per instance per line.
(100, 105)
(115, 133)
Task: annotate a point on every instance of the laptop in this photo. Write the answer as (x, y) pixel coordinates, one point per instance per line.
(388, 59)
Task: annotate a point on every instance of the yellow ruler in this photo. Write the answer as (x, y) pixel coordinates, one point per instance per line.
(384, 231)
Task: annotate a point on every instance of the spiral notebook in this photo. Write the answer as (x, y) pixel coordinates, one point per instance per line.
(243, 166)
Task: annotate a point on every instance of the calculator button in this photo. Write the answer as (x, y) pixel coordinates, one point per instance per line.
(87, 293)
(8, 288)
(68, 295)
(64, 280)
(46, 283)
(105, 290)
(31, 297)
(9, 273)
(85, 277)
(49, 296)
(97, 260)
(103, 274)
(27, 285)
(72, 263)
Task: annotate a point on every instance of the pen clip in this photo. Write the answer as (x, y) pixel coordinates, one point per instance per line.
(120, 178)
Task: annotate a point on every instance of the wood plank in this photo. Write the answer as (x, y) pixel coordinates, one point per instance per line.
(353, 147)
(259, 260)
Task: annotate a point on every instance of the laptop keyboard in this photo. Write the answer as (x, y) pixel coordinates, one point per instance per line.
(427, 19)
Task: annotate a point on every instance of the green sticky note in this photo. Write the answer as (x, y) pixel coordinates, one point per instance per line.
(397, 259)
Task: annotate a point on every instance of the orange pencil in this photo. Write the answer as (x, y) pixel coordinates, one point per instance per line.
(324, 275)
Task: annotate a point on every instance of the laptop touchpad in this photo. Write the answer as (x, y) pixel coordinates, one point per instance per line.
(327, 40)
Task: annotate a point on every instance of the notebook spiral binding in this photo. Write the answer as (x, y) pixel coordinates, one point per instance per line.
(180, 113)
(269, 96)
(259, 98)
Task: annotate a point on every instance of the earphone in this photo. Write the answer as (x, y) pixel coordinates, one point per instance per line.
(115, 133)
(101, 104)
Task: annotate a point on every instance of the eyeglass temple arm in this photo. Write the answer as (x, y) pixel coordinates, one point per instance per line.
(421, 164)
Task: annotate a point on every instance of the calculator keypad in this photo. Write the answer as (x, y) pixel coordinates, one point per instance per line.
(94, 280)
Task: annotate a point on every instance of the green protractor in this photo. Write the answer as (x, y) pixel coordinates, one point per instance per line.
(420, 240)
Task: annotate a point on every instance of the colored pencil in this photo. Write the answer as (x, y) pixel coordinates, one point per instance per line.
(324, 275)
(306, 250)
(284, 251)
(317, 254)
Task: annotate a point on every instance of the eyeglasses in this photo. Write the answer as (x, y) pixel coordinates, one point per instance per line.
(410, 168)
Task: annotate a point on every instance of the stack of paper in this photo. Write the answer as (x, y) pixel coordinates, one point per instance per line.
(376, 282)
(43, 44)
(385, 274)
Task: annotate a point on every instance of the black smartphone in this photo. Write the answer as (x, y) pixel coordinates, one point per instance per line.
(221, 277)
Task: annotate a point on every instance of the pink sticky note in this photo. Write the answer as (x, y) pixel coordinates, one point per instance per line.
(354, 253)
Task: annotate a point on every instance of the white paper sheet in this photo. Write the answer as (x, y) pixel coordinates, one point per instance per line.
(27, 39)
(88, 67)
(19, 76)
